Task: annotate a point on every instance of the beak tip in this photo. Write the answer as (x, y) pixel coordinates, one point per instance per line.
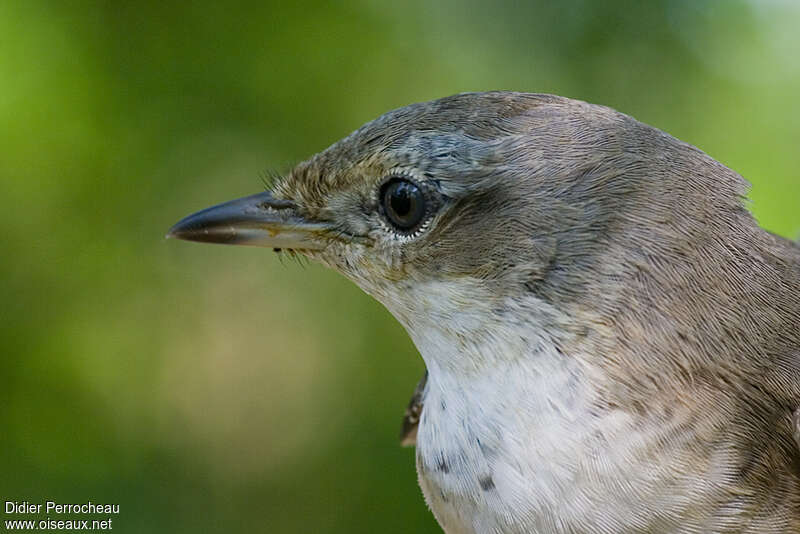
(178, 231)
(188, 233)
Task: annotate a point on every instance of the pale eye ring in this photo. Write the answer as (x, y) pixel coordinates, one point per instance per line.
(403, 204)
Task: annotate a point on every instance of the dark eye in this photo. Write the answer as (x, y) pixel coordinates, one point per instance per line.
(403, 203)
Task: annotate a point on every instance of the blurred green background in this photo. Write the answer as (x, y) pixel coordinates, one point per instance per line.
(212, 389)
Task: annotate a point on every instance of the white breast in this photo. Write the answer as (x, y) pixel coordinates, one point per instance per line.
(504, 452)
(510, 439)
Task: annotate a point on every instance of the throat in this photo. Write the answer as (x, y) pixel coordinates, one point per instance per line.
(537, 395)
(507, 418)
(461, 328)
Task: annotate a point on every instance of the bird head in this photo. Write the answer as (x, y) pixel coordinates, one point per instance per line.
(461, 208)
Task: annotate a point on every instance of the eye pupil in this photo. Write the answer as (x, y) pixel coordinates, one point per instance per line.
(403, 204)
(401, 200)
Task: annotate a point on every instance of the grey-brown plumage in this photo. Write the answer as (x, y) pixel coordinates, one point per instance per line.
(613, 344)
(408, 431)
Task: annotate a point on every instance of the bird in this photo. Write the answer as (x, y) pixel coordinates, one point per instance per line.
(611, 341)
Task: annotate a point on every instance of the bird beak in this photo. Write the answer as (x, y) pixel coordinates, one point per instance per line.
(259, 220)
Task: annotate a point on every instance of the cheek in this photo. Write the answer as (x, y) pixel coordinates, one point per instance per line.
(503, 256)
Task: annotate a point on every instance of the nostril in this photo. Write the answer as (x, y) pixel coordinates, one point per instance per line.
(276, 204)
